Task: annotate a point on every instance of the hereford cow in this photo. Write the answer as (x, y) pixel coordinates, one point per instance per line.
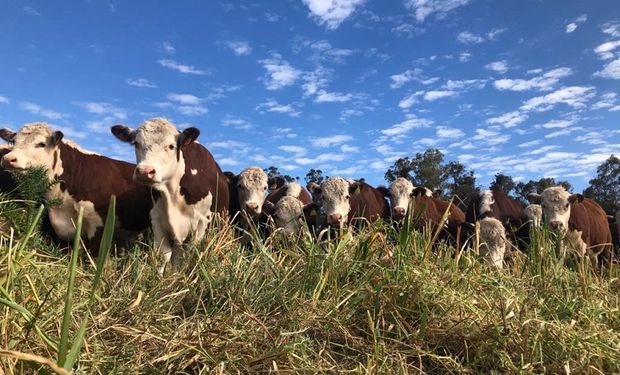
(186, 183)
(276, 183)
(614, 228)
(581, 221)
(7, 182)
(344, 200)
(493, 241)
(247, 191)
(534, 214)
(403, 194)
(289, 206)
(86, 180)
(508, 211)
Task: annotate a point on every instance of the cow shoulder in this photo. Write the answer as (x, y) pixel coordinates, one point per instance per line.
(202, 176)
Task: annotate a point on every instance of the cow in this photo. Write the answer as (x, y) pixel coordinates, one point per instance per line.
(187, 185)
(534, 214)
(403, 195)
(614, 228)
(247, 191)
(86, 181)
(509, 212)
(289, 206)
(344, 200)
(581, 221)
(276, 182)
(493, 241)
(312, 187)
(7, 182)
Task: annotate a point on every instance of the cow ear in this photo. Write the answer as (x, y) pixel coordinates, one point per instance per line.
(384, 191)
(311, 209)
(188, 136)
(7, 135)
(232, 178)
(534, 198)
(56, 137)
(269, 208)
(355, 188)
(575, 198)
(314, 188)
(419, 191)
(123, 133)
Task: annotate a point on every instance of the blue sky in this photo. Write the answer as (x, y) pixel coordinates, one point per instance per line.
(529, 88)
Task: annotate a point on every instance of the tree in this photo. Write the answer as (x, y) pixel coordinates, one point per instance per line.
(273, 172)
(605, 187)
(460, 183)
(523, 189)
(503, 183)
(314, 175)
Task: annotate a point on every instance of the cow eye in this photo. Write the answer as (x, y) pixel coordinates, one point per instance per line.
(170, 147)
(347, 197)
(40, 145)
(567, 204)
(265, 188)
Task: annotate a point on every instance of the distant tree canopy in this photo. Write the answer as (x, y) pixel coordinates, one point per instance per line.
(605, 187)
(274, 172)
(503, 183)
(522, 189)
(429, 170)
(315, 175)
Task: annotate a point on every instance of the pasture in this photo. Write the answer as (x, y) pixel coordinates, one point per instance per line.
(374, 300)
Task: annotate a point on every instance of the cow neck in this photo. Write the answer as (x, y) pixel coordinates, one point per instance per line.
(170, 190)
(65, 164)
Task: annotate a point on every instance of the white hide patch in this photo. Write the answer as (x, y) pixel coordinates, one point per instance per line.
(194, 171)
(64, 217)
(178, 220)
(293, 190)
(486, 200)
(400, 193)
(574, 243)
(335, 198)
(493, 241)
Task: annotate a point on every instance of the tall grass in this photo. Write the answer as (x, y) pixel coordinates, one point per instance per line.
(377, 300)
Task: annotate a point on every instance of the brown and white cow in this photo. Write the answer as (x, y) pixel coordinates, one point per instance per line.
(289, 206)
(86, 180)
(188, 186)
(249, 190)
(344, 200)
(534, 214)
(581, 221)
(403, 195)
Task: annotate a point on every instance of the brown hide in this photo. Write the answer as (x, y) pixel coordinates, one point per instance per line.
(369, 203)
(589, 218)
(280, 192)
(434, 210)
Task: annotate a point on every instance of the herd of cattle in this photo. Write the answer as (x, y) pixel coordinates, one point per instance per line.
(176, 187)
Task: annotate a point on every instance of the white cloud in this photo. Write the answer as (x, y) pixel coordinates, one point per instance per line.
(272, 17)
(611, 70)
(331, 97)
(498, 66)
(467, 37)
(491, 137)
(140, 82)
(185, 69)
(333, 140)
(605, 50)
(405, 127)
(509, 119)
(464, 56)
(322, 50)
(332, 13)
(227, 162)
(467, 84)
(327, 157)
(346, 114)
(169, 48)
(491, 35)
(410, 100)
(240, 48)
(449, 133)
(431, 96)
(315, 80)
(349, 149)
(272, 105)
(191, 110)
(293, 149)
(236, 122)
(4, 100)
(553, 124)
(425, 8)
(36, 109)
(544, 82)
(571, 27)
(30, 11)
(102, 108)
(531, 143)
(185, 99)
(608, 100)
(612, 28)
(279, 72)
(573, 96)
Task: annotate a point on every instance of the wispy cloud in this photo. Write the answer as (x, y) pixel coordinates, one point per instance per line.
(30, 11)
(331, 97)
(4, 100)
(187, 104)
(498, 66)
(240, 48)
(573, 96)
(140, 82)
(237, 122)
(467, 37)
(509, 119)
(333, 140)
(272, 105)
(168, 48)
(332, 13)
(571, 27)
(605, 50)
(104, 109)
(182, 68)
(36, 109)
(425, 8)
(279, 73)
(543, 82)
(611, 70)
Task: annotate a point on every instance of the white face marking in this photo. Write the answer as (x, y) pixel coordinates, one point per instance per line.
(252, 186)
(335, 200)
(485, 202)
(534, 214)
(556, 207)
(493, 241)
(400, 196)
(156, 150)
(32, 147)
(288, 214)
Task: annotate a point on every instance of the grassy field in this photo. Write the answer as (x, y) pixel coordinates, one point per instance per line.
(374, 301)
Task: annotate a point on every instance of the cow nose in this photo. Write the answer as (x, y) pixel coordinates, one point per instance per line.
(8, 160)
(146, 171)
(334, 218)
(399, 212)
(555, 225)
(251, 207)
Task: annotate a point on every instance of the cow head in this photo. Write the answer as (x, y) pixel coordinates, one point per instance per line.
(251, 187)
(35, 145)
(276, 182)
(556, 206)
(534, 214)
(335, 193)
(158, 145)
(493, 242)
(315, 191)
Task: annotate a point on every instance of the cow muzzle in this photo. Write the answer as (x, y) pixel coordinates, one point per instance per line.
(145, 174)
(9, 162)
(252, 208)
(556, 226)
(334, 219)
(398, 213)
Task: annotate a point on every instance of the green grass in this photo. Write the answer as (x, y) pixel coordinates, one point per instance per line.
(375, 301)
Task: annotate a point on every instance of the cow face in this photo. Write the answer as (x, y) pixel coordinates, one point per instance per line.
(251, 187)
(289, 214)
(158, 145)
(556, 204)
(493, 242)
(315, 191)
(400, 193)
(534, 214)
(335, 194)
(35, 145)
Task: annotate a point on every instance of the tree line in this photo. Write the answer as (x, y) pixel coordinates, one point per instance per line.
(453, 179)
